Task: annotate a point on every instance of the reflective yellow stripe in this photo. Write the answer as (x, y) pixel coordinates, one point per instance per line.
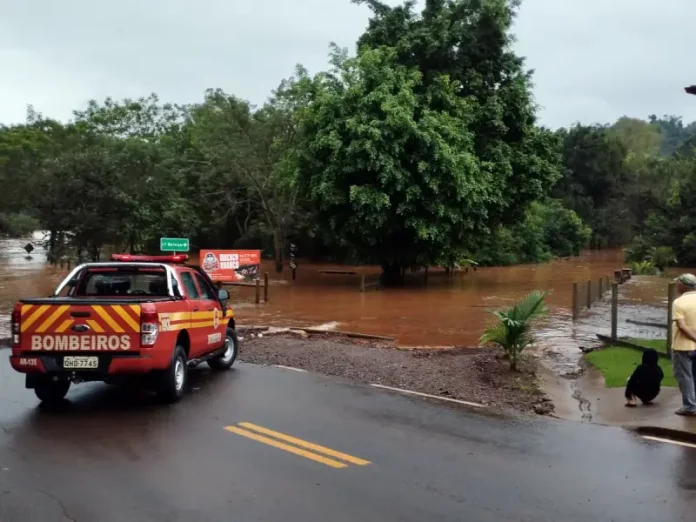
(94, 325)
(202, 324)
(126, 317)
(179, 316)
(33, 317)
(179, 326)
(25, 309)
(107, 319)
(198, 316)
(64, 325)
(52, 318)
(136, 309)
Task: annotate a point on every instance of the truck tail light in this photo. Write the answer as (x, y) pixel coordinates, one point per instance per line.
(16, 326)
(149, 327)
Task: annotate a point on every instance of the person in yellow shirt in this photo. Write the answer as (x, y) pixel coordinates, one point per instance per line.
(684, 342)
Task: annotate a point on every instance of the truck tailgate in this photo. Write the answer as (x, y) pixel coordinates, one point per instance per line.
(84, 327)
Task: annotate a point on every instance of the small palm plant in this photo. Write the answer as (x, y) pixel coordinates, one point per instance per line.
(513, 331)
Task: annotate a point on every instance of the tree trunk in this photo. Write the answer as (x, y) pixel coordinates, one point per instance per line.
(392, 274)
(513, 360)
(278, 249)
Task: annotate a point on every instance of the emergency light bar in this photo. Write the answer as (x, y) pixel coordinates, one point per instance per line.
(178, 258)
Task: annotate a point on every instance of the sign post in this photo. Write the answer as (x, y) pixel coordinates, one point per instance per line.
(174, 244)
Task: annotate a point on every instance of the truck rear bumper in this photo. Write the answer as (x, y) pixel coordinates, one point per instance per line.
(108, 364)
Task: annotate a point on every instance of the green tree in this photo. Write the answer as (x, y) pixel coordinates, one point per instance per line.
(594, 183)
(253, 154)
(426, 141)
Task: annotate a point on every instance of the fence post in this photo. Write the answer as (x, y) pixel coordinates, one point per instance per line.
(258, 291)
(294, 269)
(362, 282)
(600, 288)
(671, 296)
(589, 294)
(575, 301)
(265, 287)
(614, 311)
(426, 275)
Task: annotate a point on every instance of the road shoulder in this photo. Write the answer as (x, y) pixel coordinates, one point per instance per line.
(465, 374)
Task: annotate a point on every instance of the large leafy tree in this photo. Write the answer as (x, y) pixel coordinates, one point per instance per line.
(595, 182)
(249, 155)
(426, 141)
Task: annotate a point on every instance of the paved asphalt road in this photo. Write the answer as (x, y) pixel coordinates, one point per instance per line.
(115, 455)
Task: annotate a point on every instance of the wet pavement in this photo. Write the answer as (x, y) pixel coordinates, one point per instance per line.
(589, 400)
(115, 455)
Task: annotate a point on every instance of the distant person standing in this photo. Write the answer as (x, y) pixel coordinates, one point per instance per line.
(684, 342)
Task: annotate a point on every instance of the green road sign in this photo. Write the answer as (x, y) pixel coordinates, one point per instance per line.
(174, 244)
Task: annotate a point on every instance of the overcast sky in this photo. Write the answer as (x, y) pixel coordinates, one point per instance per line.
(595, 60)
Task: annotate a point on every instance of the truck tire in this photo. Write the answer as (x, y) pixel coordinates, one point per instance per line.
(173, 380)
(50, 391)
(225, 360)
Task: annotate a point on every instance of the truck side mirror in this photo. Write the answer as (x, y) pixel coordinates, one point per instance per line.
(223, 295)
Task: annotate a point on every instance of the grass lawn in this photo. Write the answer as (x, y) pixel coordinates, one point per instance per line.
(656, 344)
(617, 365)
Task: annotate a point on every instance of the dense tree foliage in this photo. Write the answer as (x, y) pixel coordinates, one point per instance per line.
(420, 148)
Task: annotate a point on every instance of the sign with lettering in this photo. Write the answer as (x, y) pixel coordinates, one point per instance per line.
(174, 244)
(231, 265)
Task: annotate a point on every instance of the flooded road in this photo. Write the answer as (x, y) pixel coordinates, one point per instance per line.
(445, 311)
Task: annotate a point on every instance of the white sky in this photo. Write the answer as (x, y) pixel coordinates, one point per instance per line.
(595, 60)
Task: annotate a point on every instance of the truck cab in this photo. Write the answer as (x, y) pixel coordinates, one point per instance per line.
(144, 316)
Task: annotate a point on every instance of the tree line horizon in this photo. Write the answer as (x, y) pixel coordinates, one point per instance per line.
(422, 149)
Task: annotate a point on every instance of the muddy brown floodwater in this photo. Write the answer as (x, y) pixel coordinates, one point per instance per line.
(447, 311)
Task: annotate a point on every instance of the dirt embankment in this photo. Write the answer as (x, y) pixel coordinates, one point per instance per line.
(469, 374)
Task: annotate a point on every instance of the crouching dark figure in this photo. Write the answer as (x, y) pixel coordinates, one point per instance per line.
(645, 382)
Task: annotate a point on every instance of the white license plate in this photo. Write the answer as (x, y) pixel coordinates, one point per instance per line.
(80, 363)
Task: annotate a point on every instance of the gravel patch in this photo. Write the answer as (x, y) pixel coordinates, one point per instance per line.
(470, 374)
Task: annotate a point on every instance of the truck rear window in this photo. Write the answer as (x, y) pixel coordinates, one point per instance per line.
(123, 283)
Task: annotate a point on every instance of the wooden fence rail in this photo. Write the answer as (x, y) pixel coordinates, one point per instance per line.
(257, 285)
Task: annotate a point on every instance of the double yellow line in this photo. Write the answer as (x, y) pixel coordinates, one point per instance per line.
(296, 446)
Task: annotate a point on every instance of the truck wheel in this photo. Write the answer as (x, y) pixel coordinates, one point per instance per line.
(52, 392)
(173, 379)
(227, 358)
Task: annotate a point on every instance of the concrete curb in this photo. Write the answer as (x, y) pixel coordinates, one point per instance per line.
(665, 433)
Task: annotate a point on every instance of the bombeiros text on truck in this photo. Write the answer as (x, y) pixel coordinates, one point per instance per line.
(150, 317)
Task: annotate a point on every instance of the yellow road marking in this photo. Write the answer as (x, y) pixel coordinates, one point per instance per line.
(33, 317)
(64, 325)
(107, 319)
(52, 318)
(302, 443)
(286, 447)
(305, 444)
(127, 318)
(94, 325)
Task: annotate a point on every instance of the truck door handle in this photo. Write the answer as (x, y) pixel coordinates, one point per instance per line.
(195, 309)
(211, 309)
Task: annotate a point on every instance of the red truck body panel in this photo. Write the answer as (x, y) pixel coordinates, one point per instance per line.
(110, 328)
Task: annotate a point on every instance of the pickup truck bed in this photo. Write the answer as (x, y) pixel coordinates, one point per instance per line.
(160, 320)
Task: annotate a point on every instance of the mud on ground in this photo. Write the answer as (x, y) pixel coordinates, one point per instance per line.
(470, 374)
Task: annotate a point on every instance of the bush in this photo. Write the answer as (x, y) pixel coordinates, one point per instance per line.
(17, 225)
(644, 268)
